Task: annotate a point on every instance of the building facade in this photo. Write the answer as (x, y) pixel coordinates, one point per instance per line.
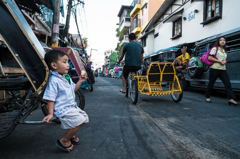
(189, 21)
(142, 13)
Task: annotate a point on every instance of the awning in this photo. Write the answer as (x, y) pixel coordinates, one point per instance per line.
(28, 18)
(175, 16)
(225, 34)
(41, 27)
(160, 51)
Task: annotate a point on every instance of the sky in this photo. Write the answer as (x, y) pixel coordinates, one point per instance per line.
(99, 26)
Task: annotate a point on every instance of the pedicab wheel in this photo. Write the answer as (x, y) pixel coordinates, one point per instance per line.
(79, 98)
(126, 89)
(89, 82)
(134, 92)
(177, 97)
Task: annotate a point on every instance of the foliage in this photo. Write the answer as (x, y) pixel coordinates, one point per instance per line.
(85, 42)
(121, 33)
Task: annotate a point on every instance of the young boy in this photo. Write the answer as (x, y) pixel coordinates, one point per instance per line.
(60, 96)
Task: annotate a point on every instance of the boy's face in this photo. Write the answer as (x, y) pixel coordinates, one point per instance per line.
(62, 65)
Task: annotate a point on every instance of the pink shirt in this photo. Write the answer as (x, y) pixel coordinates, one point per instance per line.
(116, 69)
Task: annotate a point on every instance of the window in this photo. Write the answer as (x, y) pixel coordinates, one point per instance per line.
(177, 28)
(144, 10)
(233, 43)
(144, 42)
(212, 11)
(212, 8)
(156, 35)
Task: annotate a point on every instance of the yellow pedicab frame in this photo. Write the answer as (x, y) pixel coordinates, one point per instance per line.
(155, 88)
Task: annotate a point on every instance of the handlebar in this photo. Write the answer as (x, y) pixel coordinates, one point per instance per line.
(37, 122)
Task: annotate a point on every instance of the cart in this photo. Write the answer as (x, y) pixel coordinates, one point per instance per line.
(151, 84)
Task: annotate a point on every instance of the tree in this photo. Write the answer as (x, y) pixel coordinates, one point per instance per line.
(85, 42)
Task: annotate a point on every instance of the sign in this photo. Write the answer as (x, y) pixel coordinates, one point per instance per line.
(191, 16)
(55, 28)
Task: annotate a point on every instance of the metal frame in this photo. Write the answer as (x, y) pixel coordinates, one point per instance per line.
(155, 88)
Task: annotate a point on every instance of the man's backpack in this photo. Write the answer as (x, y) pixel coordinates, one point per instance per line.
(205, 56)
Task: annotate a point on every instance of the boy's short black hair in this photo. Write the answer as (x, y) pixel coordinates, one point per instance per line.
(52, 56)
(132, 36)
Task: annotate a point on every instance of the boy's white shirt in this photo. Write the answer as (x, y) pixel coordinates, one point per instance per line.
(62, 93)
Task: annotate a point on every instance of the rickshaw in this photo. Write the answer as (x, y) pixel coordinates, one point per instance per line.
(28, 53)
(151, 84)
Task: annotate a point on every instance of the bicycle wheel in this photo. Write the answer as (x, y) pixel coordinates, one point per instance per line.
(176, 97)
(134, 91)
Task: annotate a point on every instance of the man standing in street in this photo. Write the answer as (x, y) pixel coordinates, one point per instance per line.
(133, 53)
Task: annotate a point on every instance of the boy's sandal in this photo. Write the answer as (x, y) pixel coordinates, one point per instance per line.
(58, 143)
(74, 142)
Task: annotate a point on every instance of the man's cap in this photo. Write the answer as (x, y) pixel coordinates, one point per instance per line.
(83, 56)
(184, 46)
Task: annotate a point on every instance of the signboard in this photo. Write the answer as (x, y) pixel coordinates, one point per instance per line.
(55, 28)
(191, 16)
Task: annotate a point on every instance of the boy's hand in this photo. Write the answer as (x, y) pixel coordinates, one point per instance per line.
(48, 118)
(82, 79)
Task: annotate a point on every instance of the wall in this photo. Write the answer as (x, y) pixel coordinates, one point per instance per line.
(194, 31)
(149, 48)
(153, 6)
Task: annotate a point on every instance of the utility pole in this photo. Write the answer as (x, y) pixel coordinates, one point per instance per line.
(68, 19)
(75, 16)
(55, 27)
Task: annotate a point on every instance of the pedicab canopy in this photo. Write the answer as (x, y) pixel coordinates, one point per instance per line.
(23, 44)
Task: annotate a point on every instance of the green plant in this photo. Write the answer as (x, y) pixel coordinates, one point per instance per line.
(121, 33)
(85, 42)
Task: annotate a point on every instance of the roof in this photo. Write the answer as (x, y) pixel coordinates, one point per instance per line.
(30, 6)
(122, 8)
(166, 4)
(47, 3)
(145, 34)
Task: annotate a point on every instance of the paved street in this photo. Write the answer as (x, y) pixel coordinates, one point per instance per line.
(154, 128)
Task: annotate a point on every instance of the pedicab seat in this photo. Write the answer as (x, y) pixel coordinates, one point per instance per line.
(158, 74)
(15, 84)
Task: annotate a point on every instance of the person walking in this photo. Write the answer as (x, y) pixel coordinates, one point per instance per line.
(106, 73)
(133, 53)
(218, 70)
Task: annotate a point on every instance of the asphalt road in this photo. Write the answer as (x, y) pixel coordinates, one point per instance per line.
(156, 127)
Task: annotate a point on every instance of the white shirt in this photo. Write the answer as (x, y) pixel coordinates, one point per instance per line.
(221, 56)
(62, 93)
